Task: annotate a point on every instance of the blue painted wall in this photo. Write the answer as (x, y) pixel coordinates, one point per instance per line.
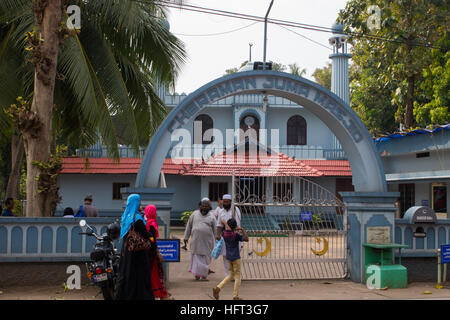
(47, 239)
(187, 192)
(74, 187)
(318, 133)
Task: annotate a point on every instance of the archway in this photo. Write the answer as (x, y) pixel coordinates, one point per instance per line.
(367, 169)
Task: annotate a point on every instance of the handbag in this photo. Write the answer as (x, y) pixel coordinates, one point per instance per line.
(217, 248)
(135, 241)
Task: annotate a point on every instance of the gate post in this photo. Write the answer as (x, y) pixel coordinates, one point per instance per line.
(367, 210)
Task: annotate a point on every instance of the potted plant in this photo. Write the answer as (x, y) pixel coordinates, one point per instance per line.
(316, 220)
(185, 216)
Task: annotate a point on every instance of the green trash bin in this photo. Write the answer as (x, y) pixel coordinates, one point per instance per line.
(381, 258)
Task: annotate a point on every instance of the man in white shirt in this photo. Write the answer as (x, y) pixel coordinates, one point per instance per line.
(224, 215)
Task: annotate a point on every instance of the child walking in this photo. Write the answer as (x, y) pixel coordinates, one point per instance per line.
(232, 239)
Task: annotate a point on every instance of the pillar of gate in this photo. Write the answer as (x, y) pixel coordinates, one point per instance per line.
(371, 218)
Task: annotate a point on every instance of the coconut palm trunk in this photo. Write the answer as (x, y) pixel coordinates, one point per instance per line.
(37, 139)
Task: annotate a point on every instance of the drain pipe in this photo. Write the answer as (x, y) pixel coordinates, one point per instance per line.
(265, 34)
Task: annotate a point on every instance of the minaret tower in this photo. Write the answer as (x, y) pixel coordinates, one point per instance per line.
(339, 58)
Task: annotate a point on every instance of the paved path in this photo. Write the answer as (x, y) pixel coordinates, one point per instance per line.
(184, 287)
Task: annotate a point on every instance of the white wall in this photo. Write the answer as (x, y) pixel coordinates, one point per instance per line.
(438, 160)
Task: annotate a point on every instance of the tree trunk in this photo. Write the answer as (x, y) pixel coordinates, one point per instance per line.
(37, 146)
(17, 151)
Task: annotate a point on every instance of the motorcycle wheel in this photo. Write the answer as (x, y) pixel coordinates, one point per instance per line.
(109, 290)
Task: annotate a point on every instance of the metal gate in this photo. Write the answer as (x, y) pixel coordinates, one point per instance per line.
(297, 229)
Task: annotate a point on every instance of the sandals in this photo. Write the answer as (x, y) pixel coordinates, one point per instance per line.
(216, 291)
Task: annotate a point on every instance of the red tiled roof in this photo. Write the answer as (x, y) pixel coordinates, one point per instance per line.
(280, 166)
(277, 165)
(175, 167)
(100, 165)
(331, 167)
(215, 166)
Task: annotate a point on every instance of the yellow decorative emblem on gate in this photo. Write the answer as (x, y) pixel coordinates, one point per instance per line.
(267, 250)
(325, 247)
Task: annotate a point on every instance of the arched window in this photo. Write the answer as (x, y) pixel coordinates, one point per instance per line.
(251, 123)
(202, 123)
(296, 131)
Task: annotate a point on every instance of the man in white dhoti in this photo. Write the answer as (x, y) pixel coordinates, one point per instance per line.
(224, 215)
(202, 228)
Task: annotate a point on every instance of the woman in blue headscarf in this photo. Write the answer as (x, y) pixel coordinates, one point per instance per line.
(134, 282)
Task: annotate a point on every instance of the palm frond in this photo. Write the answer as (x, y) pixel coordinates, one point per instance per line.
(78, 71)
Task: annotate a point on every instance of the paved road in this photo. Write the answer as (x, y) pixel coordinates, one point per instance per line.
(184, 287)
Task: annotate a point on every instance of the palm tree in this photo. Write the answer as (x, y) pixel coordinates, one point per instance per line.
(12, 85)
(110, 68)
(295, 70)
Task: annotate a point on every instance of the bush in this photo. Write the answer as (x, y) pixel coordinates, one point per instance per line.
(185, 216)
(18, 212)
(317, 218)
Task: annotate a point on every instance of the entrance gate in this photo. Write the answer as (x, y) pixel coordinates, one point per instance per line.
(297, 229)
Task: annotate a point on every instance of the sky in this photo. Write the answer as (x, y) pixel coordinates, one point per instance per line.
(208, 56)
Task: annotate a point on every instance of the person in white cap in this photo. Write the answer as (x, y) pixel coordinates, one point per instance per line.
(226, 214)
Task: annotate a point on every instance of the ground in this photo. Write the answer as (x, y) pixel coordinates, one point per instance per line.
(184, 287)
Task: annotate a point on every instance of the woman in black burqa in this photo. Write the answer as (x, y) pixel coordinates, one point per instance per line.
(134, 282)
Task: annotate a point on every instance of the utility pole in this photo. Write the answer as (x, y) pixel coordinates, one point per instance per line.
(265, 34)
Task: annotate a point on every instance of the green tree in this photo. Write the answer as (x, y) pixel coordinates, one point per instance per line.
(393, 69)
(323, 76)
(436, 85)
(295, 69)
(82, 79)
(278, 66)
(234, 70)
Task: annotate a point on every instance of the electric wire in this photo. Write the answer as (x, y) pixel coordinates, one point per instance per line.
(215, 34)
(279, 22)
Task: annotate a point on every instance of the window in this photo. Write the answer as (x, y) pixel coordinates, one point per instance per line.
(296, 131)
(116, 189)
(282, 192)
(250, 127)
(439, 194)
(204, 123)
(407, 197)
(217, 190)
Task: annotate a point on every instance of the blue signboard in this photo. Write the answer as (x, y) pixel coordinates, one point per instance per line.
(169, 249)
(305, 216)
(445, 253)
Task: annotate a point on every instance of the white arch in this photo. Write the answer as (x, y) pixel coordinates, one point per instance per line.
(367, 168)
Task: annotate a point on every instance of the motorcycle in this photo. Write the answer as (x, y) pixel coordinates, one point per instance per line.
(103, 269)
